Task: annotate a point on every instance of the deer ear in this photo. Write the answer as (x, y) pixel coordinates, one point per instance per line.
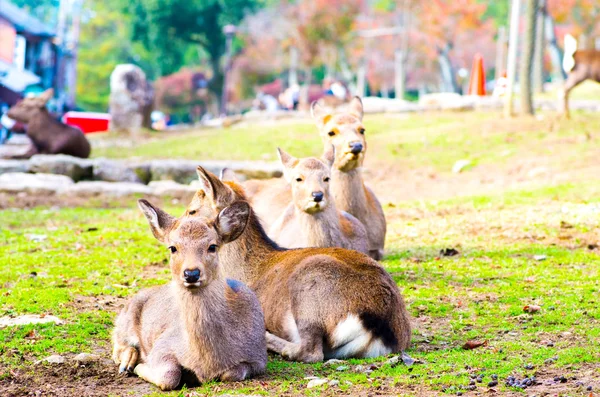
(209, 183)
(160, 222)
(232, 221)
(288, 161)
(45, 96)
(355, 107)
(329, 155)
(228, 175)
(319, 113)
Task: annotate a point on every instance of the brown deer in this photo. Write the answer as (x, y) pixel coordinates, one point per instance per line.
(312, 220)
(346, 133)
(318, 302)
(209, 326)
(48, 136)
(580, 65)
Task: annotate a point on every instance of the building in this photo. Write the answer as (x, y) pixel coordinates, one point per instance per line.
(28, 55)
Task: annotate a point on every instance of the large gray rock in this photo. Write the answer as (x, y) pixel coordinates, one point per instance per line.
(61, 164)
(181, 171)
(34, 183)
(118, 171)
(13, 166)
(171, 188)
(114, 189)
(131, 99)
(246, 169)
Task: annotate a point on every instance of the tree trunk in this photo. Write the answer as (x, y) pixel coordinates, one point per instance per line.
(511, 67)
(399, 75)
(527, 57)
(538, 60)
(555, 51)
(448, 75)
(500, 52)
(361, 78)
(293, 74)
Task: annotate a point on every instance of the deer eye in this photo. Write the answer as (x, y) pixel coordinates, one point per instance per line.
(212, 248)
(192, 212)
(172, 249)
(331, 133)
(362, 131)
(326, 179)
(298, 179)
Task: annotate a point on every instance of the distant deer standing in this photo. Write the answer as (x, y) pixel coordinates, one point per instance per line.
(212, 327)
(580, 65)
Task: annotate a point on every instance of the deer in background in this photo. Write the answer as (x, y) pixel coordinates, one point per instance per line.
(48, 136)
(580, 65)
(201, 322)
(312, 219)
(346, 133)
(318, 303)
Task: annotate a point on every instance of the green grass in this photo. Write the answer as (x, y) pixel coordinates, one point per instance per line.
(479, 294)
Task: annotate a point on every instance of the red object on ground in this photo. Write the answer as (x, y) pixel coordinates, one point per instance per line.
(88, 122)
(477, 81)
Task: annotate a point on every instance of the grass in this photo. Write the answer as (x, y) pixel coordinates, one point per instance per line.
(479, 294)
(533, 245)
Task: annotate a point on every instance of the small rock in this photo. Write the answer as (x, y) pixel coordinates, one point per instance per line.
(529, 366)
(86, 358)
(393, 361)
(28, 319)
(359, 368)
(331, 362)
(342, 368)
(55, 359)
(316, 383)
(407, 360)
(460, 165)
(589, 388)
(540, 257)
(449, 252)
(334, 382)
(493, 383)
(37, 238)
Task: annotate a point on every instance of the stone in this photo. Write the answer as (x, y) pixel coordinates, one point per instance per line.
(114, 189)
(116, 171)
(171, 188)
(407, 360)
(34, 183)
(55, 359)
(29, 319)
(13, 166)
(316, 383)
(131, 99)
(61, 164)
(181, 171)
(342, 368)
(393, 361)
(331, 362)
(334, 382)
(84, 358)
(460, 166)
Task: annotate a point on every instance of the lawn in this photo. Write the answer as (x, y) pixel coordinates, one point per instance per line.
(532, 243)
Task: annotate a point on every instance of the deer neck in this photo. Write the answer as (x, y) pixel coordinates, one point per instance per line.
(349, 191)
(201, 313)
(321, 229)
(244, 259)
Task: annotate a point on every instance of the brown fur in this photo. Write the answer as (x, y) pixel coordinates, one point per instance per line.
(212, 329)
(306, 294)
(587, 67)
(270, 198)
(48, 135)
(310, 223)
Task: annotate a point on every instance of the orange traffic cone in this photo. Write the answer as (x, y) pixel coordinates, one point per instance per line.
(477, 81)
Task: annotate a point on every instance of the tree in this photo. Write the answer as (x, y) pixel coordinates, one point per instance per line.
(527, 56)
(170, 28)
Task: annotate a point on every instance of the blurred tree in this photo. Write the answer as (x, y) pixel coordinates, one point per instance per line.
(527, 51)
(170, 28)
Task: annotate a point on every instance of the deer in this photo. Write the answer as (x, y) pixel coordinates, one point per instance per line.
(48, 136)
(319, 303)
(580, 65)
(200, 326)
(345, 131)
(312, 220)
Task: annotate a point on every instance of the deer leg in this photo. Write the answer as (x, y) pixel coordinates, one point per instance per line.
(572, 81)
(308, 350)
(126, 357)
(164, 372)
(236, 374)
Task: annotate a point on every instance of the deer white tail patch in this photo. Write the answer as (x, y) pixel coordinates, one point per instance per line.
(351, 339)
(570, 48)
(292, 328)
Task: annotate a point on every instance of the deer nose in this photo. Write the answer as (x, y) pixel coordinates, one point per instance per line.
(317, 196)
(356, 147)
(191, 276)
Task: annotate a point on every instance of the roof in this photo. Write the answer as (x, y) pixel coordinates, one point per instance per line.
(14, 79)
(23, 21)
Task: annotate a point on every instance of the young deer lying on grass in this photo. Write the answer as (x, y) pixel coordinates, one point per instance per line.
(211, 327)
(318, 302)
(346, 133)
(312, 219)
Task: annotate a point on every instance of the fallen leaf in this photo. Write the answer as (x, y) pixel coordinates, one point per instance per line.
(565, 225)
(532, 308)
(474, 344)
